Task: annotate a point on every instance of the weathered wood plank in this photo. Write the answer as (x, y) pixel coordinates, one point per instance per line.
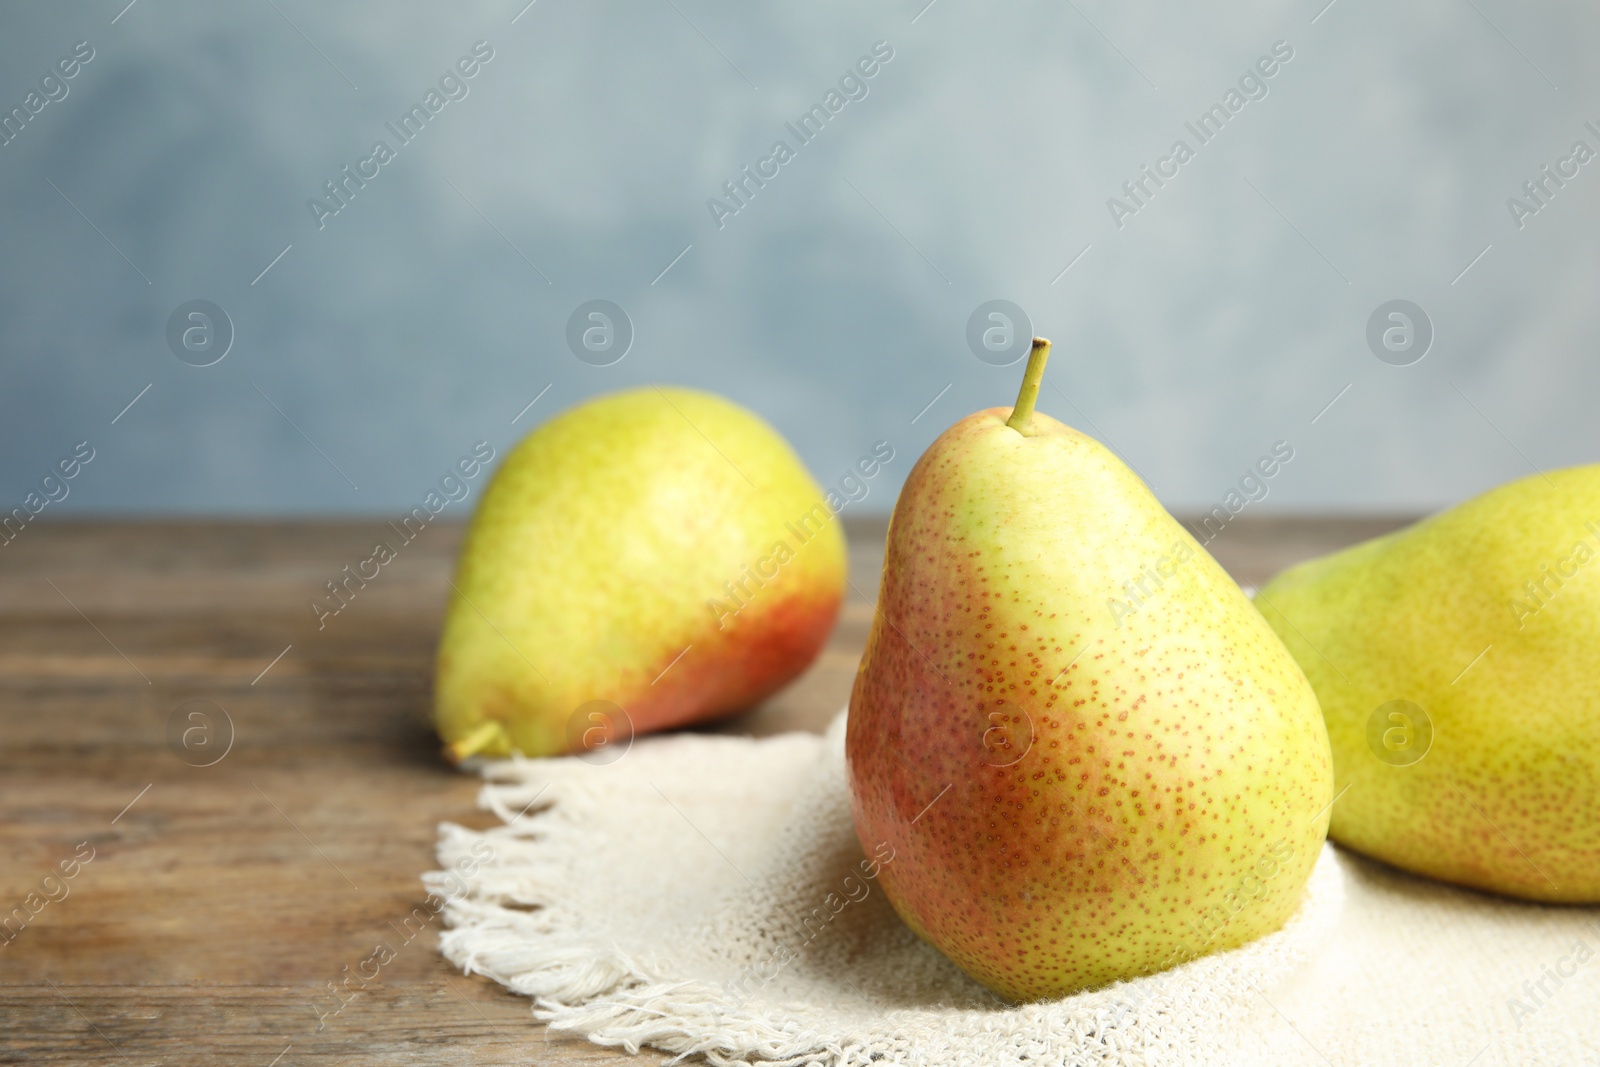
(220, 904)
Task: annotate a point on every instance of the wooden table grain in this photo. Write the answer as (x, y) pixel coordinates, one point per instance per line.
(222, 901)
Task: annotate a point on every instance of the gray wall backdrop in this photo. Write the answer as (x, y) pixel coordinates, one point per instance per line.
(1222, 316)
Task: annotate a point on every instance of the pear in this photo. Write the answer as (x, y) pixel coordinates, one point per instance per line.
(1086, 752)
(647, 559)
(1455, 661)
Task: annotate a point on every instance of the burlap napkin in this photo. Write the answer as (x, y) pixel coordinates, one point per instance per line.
(707, 895)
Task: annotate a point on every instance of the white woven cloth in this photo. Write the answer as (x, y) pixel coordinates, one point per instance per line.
(704, 895)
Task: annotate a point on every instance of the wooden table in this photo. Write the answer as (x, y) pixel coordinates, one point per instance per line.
(222, 900)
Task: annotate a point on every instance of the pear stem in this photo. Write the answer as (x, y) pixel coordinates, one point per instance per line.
(1021, 419)
(475, 741)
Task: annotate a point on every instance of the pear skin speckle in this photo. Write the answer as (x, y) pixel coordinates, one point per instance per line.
(1455, 661)
(1074, 793)
(662, 550)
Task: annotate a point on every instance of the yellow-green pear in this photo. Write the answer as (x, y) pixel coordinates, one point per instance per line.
(1458, 665)
(647, 559)
(1076, 750)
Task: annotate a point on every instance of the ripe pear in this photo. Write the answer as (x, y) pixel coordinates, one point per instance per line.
(1455, 661)
(647, 559)
(1088, 753)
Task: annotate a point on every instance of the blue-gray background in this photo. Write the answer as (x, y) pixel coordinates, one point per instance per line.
(1220, 319)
